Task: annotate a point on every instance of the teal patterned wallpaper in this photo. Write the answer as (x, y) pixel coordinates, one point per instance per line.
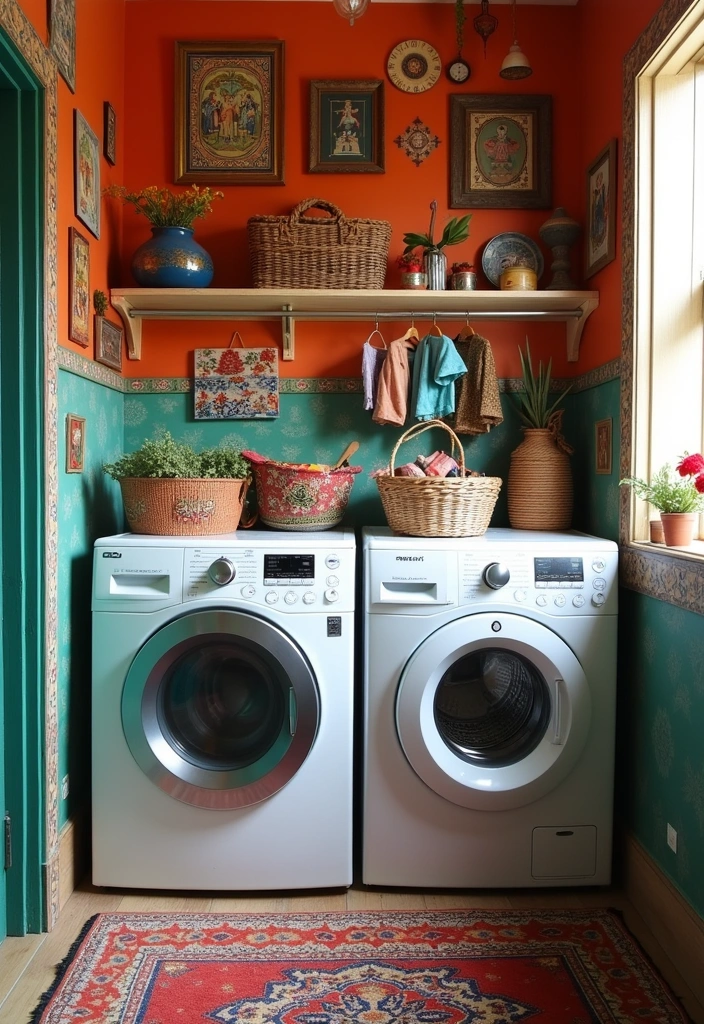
(89, 507)
(596, 497)
(316, 428)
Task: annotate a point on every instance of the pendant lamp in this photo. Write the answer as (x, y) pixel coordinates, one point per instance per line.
(516, 64)
(351, 8)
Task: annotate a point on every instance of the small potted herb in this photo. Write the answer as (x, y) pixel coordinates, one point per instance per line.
(411, 267)
(170, 489)
(678, 500)
(463, 278)
(434, 259)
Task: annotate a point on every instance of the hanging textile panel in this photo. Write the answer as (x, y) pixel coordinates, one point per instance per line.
(236, 383)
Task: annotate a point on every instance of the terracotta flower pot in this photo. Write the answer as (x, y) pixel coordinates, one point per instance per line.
(657, 535)
(678, 528)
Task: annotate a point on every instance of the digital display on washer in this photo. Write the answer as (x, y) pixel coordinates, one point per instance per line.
(559, 570)
(289, 567)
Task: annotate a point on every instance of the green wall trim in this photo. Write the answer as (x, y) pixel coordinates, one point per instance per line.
(83, 367)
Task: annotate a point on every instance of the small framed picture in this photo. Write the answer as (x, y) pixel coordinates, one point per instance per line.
(501, 152)
(108, 343)
(109, 132)
(75, 443)
(601, 211)
(87, 174)
(79, 288)
(603, 433)
(62, 39)
(229, 113)
(347, 127)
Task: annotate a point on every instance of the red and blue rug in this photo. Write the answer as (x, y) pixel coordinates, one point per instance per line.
(460, 967)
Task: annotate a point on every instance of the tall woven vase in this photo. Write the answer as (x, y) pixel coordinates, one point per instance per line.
(540, 484)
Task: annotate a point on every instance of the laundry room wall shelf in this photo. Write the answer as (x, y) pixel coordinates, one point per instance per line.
(138, 304)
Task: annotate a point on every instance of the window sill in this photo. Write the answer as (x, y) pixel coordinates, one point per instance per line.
(673, 575)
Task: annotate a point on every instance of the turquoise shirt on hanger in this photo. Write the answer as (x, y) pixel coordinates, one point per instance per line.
(436, 367)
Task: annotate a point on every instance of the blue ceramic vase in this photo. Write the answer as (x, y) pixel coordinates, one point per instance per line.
(171, 258)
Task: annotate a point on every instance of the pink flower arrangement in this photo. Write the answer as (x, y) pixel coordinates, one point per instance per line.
(693, 466)
(410, 263)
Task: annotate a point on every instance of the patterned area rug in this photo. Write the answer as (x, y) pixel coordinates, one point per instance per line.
(488, 967)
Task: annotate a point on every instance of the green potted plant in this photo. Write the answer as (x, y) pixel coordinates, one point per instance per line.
(540, 478)
(435, 260)
(170, 489)
(678, 499)
(171, 258)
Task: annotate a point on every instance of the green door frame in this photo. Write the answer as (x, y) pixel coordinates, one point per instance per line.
(23, 507)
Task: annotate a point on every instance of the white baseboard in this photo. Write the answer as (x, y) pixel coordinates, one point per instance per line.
(673, 922)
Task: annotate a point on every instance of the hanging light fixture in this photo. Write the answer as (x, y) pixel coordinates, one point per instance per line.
(485, 23)
(351, 8)
(516, 64)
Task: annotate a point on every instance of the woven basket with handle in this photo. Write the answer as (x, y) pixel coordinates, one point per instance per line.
(318, 252)
(438, 506)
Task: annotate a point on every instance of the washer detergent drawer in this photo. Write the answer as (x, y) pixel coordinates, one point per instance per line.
(567, 852)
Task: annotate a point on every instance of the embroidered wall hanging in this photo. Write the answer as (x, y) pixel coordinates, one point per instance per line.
(417, 142)
(236, 383)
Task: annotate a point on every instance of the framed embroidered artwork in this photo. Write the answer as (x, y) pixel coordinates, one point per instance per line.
(603, 434)
(62, 39)
(501, 151)
(347, 127)
(230, 113)
(109, 132)
(108, 343)
(87, 174)
(75, 443)
(601, 211)
(236, 383)
(79, 288)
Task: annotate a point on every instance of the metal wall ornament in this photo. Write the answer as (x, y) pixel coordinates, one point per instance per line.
(417, 142)
(485, 24)
(350, 9)
(414, 66)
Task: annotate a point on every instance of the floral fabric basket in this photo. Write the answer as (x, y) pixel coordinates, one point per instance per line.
(318, 252)
(294, 496)
(434, 506)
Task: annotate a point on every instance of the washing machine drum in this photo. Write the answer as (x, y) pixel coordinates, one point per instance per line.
(220, 709)
(493, 711)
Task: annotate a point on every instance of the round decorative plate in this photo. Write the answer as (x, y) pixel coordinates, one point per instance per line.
(414, 66)
(510, 249)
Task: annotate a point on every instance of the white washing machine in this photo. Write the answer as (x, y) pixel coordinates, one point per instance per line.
(489, 717)
(222, 710)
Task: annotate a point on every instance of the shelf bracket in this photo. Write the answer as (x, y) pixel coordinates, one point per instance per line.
(575, 326)
(133, 327)
(288, 335)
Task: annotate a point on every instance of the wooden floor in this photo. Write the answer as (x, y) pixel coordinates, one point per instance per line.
(27, 965)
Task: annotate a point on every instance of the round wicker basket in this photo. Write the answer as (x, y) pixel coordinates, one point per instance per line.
(540, 484)
(183, 507)
(437, 506)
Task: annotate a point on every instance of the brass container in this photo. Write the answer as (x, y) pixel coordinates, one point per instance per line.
(518, 279)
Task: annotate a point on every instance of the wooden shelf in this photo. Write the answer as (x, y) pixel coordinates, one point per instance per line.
(288, 305)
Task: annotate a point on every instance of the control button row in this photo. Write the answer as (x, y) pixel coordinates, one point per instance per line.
(290, 597)
(287, 583)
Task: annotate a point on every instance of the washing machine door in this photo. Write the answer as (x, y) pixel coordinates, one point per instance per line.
(220, 709)
(493, 711)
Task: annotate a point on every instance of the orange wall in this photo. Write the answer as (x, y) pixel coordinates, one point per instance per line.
(321, 44)
(100, 35)
(607, 30)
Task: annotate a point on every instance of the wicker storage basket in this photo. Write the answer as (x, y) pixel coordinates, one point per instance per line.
(438, 506)
(318, 252)
(183, 507)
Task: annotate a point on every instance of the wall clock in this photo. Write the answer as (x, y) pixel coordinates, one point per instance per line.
(458, 71)
(414, 66)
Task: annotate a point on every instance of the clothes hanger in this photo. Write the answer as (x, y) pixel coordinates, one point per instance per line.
(435, 326)
(467, 331)
(376, 331)
(411, 334)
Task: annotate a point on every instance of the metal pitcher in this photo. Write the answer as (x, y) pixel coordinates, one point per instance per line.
(435, 263)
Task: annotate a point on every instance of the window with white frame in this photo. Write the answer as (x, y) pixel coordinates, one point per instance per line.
(669, 259)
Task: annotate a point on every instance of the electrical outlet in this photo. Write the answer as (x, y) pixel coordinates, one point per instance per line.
(64, 787)
(671, 838)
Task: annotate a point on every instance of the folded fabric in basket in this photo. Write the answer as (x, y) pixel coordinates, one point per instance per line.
(410, 469)
(441, 465)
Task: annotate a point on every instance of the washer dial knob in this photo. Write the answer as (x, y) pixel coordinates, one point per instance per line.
(496, 575)
(222, 572)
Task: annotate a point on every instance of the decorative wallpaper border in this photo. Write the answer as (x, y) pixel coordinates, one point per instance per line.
(21, 32)
(675, 580)
(78, 364)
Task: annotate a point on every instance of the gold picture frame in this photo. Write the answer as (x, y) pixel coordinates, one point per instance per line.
(75, 443)
(603, 452)
(600, 236)
(229, 113)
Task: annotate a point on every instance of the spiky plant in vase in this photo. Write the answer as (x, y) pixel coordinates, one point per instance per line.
(540, 478)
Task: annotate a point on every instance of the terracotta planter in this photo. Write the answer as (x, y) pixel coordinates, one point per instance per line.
(678, 528)
(657, 534)
(540, 484)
